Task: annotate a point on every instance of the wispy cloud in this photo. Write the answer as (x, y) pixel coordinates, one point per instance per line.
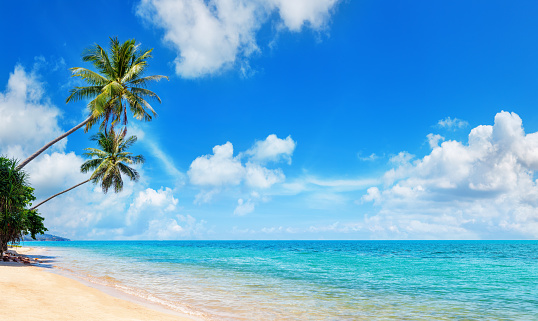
(370, 158)
(157, 152)
(452, 123)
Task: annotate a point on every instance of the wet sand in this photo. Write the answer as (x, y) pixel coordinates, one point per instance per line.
(30, 292)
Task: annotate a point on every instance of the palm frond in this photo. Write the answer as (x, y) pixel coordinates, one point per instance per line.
(129, 172)
(79, 93)
(90, 165)
(142, 93)
(144, 80)
(127, 143)
(89, 76)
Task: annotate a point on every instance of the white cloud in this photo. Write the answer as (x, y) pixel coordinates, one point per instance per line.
(485, 189)
(138, 212)
(261, 177)
(433, 140)
(222, 171)
(341, 184)
(52, 173)
(28, 120)
(218, 169)
(160, 198)
(402, 158)
(179, 227)
(452, 123)
(298, 13)
(243, 207)
(272, 149)
(312, 184)
(372, 157)
(210, 36)
(372, 195)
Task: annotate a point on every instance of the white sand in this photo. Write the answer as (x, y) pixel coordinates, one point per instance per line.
(32, 293)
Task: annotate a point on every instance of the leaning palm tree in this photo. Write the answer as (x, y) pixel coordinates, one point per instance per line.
(108, 162)
(118, 85)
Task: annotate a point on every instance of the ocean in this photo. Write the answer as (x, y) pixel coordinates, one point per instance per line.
(315, 280)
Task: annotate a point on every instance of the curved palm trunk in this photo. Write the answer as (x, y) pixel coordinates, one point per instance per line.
(53, 196)
(44, 148)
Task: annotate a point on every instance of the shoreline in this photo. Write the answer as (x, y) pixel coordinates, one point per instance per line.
(42, 292)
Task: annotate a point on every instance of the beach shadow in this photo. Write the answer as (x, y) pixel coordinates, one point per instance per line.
(43, 261)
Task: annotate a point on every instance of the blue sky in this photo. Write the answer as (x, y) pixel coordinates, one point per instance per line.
(298, 119)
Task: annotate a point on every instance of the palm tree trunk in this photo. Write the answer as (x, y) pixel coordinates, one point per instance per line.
(44, 148)
(53, 196)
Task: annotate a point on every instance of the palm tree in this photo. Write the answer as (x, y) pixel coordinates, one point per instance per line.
(118, 83)
(108, 163)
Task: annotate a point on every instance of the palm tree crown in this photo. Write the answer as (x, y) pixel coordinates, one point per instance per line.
(118, 83)
(109, 162)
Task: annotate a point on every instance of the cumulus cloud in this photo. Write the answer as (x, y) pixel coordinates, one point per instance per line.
(452, 123)
(298, 13)
(223, 170)
(434, 139)
(29, 119)
(372, 195)
(138, 212)
(483, 189)
(260, 177)
(210, 36)
(52, 173)
(272, 149)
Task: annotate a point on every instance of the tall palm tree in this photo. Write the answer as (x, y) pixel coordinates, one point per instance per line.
(119, 84)
(108, 162)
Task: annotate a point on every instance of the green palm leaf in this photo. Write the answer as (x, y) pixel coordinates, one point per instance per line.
(109, 160)
(116, 84)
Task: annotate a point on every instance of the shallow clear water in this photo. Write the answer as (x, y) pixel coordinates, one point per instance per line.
(317, 280)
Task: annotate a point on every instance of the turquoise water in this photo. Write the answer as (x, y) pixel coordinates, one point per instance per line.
(317, 280)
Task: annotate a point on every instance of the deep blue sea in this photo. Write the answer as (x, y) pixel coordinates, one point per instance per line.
(316, 280)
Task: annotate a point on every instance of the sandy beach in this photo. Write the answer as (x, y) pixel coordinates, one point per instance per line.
(30, 292)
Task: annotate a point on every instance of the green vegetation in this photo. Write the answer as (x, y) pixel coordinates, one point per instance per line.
(109, 162)
(119, 82)
(15, 195)
(118, 85)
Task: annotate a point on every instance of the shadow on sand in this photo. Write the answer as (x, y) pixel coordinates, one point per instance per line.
(12, 258)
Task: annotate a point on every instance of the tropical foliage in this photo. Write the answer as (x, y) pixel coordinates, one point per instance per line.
(119, 84)
(108, 162)
(111, 160)
(15, 196)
